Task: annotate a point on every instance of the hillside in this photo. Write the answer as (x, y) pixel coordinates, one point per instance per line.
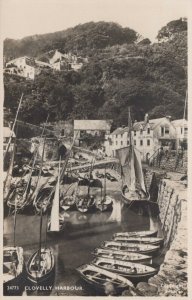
(149, 77)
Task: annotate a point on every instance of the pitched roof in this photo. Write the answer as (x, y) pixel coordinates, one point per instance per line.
(180, 122)
(92, 125)
(120, 130)
(7, 132)
(152, 123)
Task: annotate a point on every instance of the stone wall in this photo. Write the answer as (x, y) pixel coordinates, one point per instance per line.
(171, 279)
(173, 161)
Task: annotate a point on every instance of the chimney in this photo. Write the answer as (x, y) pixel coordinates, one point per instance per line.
(169, 118)
(146, 119)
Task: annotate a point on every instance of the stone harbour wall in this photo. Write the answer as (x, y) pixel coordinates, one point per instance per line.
(171, 279)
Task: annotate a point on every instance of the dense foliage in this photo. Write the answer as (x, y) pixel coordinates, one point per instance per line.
(150, 77)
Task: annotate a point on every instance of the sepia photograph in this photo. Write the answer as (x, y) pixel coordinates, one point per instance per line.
(95, 148)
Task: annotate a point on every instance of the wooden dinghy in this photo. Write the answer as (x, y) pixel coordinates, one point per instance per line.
(131, 247)
(150, 233)
(41, 267)
(98, 278)
(121, 255)
(44, 198)
(145, 240)
(13, 267)
(133, 271)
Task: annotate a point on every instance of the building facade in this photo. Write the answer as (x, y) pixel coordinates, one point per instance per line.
(147, 136)
(95, 128)
(181, 127)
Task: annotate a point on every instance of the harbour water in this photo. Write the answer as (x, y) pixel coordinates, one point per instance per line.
(73, 247)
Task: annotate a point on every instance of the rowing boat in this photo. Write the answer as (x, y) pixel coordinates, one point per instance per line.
(145, 240)
(150, 233)
(99, 278)
(131, 247)
(133, 271)
(121, 255)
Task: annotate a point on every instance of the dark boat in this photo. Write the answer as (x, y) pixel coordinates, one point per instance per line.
(131, 247)
(133, 184)
(13, 267)
(43, 199)
(150, 233)
(68, 197)
(145, 240)
(121, 255)
(85, 203)
(105, 202)
(41, 267)
(133, 271)
(98, 278)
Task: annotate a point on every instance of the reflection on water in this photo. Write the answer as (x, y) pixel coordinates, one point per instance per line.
(82, 234)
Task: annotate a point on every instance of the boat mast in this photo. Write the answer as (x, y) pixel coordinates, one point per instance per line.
(105, 182)
(40, 232)
(14, 228)
(13, 128)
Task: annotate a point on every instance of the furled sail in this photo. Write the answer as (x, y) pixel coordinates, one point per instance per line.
(55, 207)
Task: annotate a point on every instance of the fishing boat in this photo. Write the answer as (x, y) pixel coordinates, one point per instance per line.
(13, 267)
(98, 278)
(43, 199)
(133, 185)
(131, 247)
(85, 203)
(68, 197)
(133, 271)
(145, 240)
(105, 202)
(121, 255)
(41, 267)
(150, 233)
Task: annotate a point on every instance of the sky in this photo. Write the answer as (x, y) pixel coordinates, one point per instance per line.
(20, 18)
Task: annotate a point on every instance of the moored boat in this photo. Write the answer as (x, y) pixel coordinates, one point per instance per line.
(105, 202)
(121, 255)
(68, 197)
(13, 267)
(41, 267)
(145, 240)
(133, 271)
(85, 203)
(150, 233)
(98, 278)
(131, 247)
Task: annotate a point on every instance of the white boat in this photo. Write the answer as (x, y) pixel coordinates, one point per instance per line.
(121, 255)
(151, 233)
(131, 247)
(145, 240)
(133, 271)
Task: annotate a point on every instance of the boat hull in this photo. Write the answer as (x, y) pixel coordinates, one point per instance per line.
(144, 233)
(44, 281)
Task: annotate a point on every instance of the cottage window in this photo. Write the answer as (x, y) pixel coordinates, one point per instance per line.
(181, 130)
(148, 130)
(141, 131)
(121, 143)
(127, 143)
(166, 130)
(134, 132)
(148, 142)
(116, 142)
(135, 142)
(162, 131)
(141, 142)
(122, 135)
(185, 129)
